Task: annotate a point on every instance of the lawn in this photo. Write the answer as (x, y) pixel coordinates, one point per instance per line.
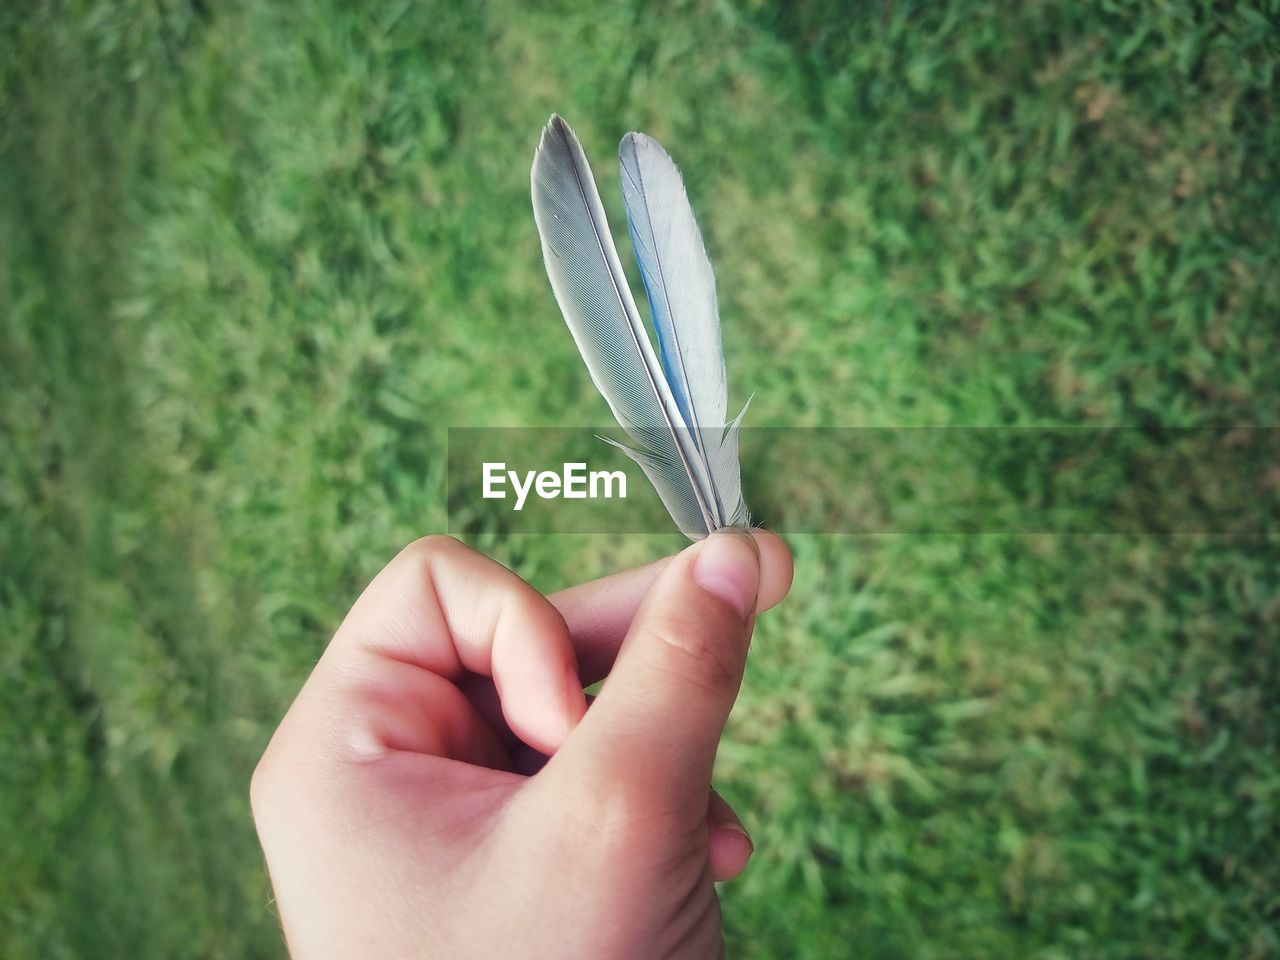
(257, 259)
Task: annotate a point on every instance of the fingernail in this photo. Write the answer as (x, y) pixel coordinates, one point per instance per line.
(736, 827)
(728, 565)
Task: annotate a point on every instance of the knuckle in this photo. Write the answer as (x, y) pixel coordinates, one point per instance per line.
(422, 551)
(263, 789)
(698, 649)
(525, 610)
(519, 602)
(273, 784)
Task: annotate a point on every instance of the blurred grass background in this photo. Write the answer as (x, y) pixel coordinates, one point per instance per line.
(257, 257)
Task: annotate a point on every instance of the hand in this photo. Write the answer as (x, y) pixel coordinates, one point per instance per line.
(407, 805)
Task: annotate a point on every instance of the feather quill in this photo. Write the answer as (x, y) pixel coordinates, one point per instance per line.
(671, 404)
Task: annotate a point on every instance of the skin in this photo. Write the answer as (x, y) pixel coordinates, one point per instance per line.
(440, 789)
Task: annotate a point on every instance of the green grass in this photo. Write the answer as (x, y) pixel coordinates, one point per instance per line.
(256, 262)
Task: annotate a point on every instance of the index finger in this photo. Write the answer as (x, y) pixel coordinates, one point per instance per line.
(436, 615)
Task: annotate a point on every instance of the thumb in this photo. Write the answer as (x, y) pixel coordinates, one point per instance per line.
(652, 733)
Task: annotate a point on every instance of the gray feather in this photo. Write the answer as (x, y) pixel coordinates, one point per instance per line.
(588, 281)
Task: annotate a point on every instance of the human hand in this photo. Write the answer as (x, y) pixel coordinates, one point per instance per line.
(406, 804)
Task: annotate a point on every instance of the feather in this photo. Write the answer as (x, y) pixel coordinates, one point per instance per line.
(674, 409)
(681, 287)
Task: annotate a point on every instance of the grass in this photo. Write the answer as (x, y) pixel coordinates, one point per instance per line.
(256, 261)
